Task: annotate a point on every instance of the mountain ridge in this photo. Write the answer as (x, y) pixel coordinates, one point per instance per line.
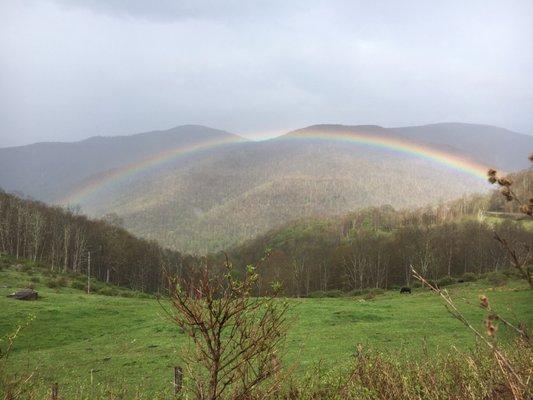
(64, 165)
(216, 198)
(152, 133)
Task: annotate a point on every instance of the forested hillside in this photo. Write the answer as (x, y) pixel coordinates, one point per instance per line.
(375, 247)
(209, 200)
(371, 248)
(63, 240)
(227, 196)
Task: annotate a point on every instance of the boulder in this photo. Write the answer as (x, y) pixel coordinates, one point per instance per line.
(24, 294)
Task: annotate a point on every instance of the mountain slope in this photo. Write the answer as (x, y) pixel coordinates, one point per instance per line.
(232, 196)
(49, 171)
(216, 198)
(375, 247)
(496, 146)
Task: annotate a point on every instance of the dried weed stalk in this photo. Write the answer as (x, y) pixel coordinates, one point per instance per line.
(516, 383)
(521, 260)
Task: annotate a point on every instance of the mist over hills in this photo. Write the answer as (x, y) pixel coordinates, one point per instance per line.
(218, 197)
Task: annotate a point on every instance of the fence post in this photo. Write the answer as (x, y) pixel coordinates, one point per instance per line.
(178, 379)
(55, 390)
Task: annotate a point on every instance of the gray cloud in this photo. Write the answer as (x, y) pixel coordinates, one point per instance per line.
(72, 69)
(175, 10)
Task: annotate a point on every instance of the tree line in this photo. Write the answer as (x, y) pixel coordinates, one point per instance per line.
(68, 242)
(376, 247)
(370, 248)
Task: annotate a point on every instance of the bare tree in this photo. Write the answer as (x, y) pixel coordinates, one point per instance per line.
(354, 268)
(66, 244)
(37, 223)
(80, 245)
(297, 273)
(235, 336)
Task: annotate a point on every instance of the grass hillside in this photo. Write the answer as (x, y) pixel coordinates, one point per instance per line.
(125, 340)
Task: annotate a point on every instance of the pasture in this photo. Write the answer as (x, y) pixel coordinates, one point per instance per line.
(91, 342)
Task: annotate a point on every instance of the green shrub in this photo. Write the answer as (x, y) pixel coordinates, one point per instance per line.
(317, 295)
(49, 273)
(108, 291)
(446, 281)
(416, 284)
(78, 285)
(26, 268)
(52, 283)
(333, 293)
(35, 279)
(34, 265)
(81, 284)
(511, 273)
(96, 286)
(496, 278)
(141, 295)
(57, 282)
(469, 277)
(355, 292)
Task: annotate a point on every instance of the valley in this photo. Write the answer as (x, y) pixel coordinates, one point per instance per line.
(266, 200)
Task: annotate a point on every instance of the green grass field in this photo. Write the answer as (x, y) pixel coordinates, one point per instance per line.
(128, 341)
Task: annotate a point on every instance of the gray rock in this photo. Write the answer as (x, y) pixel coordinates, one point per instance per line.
(24, 294)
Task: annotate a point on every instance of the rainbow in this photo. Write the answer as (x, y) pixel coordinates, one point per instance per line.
(100, 181)
(458, 163)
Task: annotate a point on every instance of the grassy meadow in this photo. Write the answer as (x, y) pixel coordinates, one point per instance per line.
(91, 342)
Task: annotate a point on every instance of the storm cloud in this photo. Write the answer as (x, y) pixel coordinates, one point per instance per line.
(70, 69)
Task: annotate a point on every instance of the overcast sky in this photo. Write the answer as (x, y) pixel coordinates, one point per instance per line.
(70, 69)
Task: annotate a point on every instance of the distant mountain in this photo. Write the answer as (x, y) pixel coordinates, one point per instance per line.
(213, 199)
(48, 171)
(495, 146)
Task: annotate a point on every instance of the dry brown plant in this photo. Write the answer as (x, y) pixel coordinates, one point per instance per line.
(235, 337)
(520, 254)
(516, 382)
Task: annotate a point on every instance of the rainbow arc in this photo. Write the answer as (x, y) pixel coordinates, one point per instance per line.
(437, 156)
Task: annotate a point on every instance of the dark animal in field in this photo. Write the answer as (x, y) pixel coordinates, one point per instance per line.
(24, 294)
(405, 289)
(460, 281)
